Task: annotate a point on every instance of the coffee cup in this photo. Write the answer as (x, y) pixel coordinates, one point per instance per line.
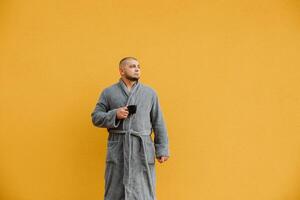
(131, 109)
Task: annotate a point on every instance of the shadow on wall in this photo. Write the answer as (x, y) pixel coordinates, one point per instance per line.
(4, 182)
(294, 7)
(4, 12)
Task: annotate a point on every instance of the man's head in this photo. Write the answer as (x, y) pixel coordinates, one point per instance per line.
(129, 68)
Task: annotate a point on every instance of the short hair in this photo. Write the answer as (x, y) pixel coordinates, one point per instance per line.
(123, 60)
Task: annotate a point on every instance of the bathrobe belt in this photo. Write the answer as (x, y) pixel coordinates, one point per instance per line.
(127, 154)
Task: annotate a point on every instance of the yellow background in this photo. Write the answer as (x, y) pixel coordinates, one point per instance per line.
(227, 75)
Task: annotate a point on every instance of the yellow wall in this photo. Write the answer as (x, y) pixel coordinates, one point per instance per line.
(227, 74)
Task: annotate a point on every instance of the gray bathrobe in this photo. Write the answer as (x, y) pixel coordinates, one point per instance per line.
(130, 156)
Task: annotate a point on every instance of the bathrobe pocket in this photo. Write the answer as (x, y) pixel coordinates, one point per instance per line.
(113, 151)
(150, 151)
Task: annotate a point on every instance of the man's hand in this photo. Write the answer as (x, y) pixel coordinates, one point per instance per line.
(122, 112)
(162, 159)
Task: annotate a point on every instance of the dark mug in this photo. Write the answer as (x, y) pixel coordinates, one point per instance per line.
(131, 109)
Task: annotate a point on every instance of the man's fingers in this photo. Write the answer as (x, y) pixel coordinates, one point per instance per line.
(124, 111)
(162, 159)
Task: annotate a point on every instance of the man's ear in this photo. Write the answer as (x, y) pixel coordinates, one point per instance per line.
(121, 71)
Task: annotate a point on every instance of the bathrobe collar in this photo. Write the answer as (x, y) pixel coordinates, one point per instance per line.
(125, 89)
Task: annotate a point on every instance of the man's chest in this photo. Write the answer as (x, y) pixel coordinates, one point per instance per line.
(142, 99)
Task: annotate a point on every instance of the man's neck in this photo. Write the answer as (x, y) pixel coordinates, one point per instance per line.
(128, 83)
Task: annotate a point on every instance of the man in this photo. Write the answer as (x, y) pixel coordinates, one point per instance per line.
(130, 158)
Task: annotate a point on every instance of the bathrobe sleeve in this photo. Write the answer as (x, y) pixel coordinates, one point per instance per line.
(160, 132)
(102, 116)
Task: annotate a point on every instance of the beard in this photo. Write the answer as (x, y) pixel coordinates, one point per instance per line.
(131, 78)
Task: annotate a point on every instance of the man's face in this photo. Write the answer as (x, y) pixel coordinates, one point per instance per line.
(131, 70)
